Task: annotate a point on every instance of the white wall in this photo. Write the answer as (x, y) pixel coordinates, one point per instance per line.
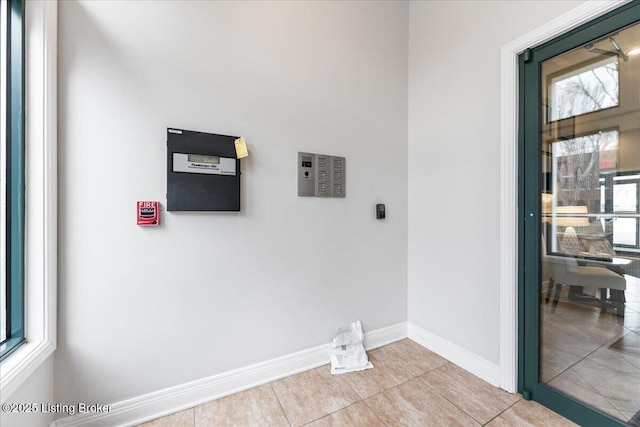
(37, 392)
(454, 160)
(143, 309)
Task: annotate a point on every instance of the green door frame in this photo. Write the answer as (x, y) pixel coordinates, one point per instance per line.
(529, 190)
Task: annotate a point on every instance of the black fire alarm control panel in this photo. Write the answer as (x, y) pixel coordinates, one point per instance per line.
(203, 172)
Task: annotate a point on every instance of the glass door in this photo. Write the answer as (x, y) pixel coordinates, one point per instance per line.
(581, 160)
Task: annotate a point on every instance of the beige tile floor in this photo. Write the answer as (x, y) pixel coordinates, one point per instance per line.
(409, 386)
(582, 354)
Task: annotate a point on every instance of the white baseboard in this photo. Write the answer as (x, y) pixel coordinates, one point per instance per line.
(384, 336)
(164, 402)
(478, 366)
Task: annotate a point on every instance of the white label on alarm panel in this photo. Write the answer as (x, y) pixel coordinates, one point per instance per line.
(184, 163)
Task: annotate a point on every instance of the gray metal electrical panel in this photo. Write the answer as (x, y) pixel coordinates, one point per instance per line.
(321, 175)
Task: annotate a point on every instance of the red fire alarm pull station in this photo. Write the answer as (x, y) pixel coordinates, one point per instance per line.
(148, 214)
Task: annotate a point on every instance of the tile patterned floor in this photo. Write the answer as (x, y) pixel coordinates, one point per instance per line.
(409, 386)
(594, 356)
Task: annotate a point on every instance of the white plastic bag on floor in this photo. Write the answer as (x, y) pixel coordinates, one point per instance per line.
(347, 350)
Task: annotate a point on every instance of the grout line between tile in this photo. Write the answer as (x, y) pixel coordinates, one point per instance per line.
(338, 410)
(403, 382)
(362, 399)
(375, 413)
(390, 388)
(571, 366)
(502, 412)
(609, 400)
(352, 389)
(445, 398)
(329, 414)
(280, 403)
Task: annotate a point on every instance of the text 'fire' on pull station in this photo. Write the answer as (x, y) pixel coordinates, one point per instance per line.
(148, 213)
(321, 175)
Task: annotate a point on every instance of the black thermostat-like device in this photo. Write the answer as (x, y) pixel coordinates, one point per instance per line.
(203, 172)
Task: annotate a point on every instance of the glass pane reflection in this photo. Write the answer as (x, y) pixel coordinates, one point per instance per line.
(590, 212)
